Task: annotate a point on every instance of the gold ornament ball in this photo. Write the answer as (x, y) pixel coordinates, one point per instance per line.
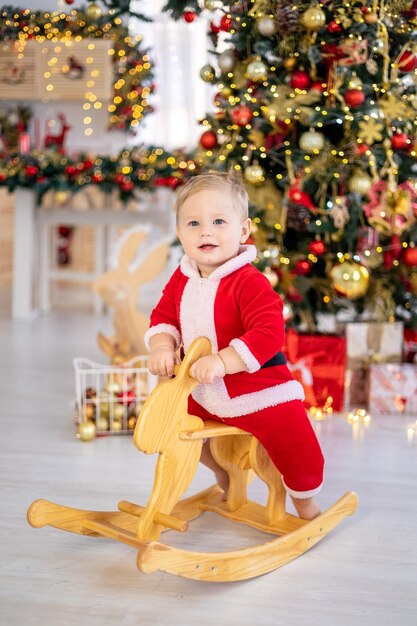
(89, 411)
(103, 423)
(213, 5)
(207, 73)
(370, 18)
(118, 411)
(86, 431)
(289, 63)
(311, 142)
(360, 183)
(117, 426)
(256, 71)
(131, 422)
(355, 82)
(94, 12)
(350, 279)
(227, 60)
(61, 196)
(266, 26)
(313, 19)
(254, 174)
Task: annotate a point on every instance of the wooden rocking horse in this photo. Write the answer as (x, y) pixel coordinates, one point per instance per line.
(164, 426)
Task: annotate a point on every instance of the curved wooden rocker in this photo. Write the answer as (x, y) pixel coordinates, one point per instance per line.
(165, 427)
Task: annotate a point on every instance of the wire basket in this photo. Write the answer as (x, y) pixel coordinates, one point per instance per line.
(111, 396)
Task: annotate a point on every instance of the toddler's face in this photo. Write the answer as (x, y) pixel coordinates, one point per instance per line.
(211, 229)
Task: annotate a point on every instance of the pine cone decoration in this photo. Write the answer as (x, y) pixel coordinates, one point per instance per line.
(298, 217)
(287, 17)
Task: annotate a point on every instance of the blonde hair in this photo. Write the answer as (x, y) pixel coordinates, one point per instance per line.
(231, 180)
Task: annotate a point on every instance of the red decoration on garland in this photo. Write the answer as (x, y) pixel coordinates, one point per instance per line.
(241, 115)
(317, 247)
(189, 16)
(226, 23)
(407, 61)
(208, 140)
(354, 97)
(58, 139)
(214, 29)
(31, 170)
(300, 80)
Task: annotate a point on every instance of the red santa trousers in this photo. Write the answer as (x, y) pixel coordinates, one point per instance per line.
(286, 433)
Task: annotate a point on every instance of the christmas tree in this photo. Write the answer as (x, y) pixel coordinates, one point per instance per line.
(316, 104)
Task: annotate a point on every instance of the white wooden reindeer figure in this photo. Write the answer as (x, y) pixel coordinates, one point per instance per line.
(119, 289)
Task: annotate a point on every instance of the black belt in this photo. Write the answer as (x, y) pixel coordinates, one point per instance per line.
(278, 359)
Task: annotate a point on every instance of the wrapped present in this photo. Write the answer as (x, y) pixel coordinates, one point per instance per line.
(318, 363)
(393, 389)
(366, 343)
(410, 345)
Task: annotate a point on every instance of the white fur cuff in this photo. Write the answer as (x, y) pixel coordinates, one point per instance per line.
(302, 495)
(169, 329)
(246, 355)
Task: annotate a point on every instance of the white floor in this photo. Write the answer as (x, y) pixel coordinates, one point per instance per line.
(364, 573)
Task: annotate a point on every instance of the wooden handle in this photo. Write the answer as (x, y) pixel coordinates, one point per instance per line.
(159, 518)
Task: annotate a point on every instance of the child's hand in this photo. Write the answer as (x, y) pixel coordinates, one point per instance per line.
(161, 361)
(206, 369)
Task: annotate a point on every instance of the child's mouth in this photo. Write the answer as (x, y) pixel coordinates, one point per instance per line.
(207, 246)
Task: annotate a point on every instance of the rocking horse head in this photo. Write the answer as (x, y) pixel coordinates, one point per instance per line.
(162, 416)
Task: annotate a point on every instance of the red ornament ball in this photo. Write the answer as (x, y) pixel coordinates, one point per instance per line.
(241, 115)
(189, 16)
(300, 80)
(208, 140)
(87, 164)
(399, 141)
(410, 256)
(127, 185)
(318, 85)
(317, 247)
(407, 61)
(119, 178)
(69, 1)
(302, 267)
(96, 177)
(226, 23)
(31, 170)
(71, 170)
(354, 97)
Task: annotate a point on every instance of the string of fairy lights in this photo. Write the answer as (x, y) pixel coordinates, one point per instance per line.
(132, 66)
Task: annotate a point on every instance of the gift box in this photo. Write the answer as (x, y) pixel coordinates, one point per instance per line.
(367, 343)
(410, 345)
(318, 363)
(393, 389)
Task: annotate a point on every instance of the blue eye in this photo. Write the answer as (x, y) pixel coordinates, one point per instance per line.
(193, 223)
(219, 220)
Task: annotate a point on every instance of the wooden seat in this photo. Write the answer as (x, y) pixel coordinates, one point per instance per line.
(165, 427)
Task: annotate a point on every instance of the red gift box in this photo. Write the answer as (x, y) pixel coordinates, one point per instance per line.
(410, 345)
(318, 362)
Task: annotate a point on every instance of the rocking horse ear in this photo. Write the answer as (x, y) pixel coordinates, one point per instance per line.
(153, 263)
(200, 347)
(128, 249)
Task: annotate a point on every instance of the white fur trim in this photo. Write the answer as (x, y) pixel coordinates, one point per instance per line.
(246, 355)
(197, 311)
(302, 495)
(216, 400)
(169, 329)
(246, 255)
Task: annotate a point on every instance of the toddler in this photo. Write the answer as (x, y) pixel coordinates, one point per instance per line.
(218, 294)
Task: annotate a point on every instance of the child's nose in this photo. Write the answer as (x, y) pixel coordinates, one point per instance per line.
(206, 229)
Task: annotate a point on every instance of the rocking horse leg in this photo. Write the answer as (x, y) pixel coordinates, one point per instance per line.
(174, 472)
(228, 452)
(266, 470)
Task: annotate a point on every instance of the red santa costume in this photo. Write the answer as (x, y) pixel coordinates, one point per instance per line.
(236, 306)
